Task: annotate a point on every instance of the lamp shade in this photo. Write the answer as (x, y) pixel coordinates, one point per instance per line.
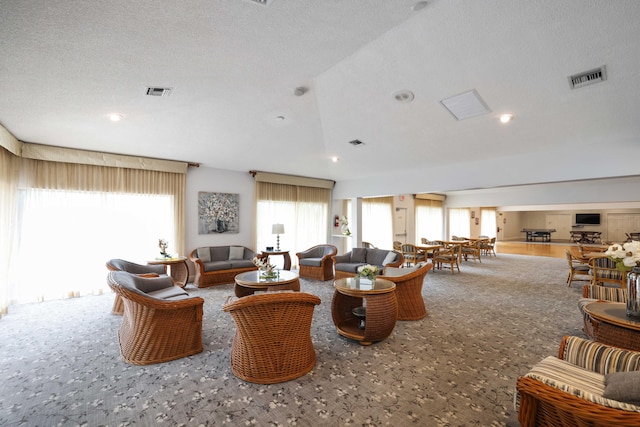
(277, 229)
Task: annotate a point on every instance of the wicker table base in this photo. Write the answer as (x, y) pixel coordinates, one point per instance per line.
(607, 322)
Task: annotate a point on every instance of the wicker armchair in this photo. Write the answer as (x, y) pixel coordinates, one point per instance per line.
(161, 322)
(133, 268)
(579, 369)
(449, 256)
(409, 283)
(317, 262)
(272, 342)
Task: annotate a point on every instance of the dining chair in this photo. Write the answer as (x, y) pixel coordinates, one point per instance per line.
(411, 254)
(449, 256)
(576, 269)
(473, 250)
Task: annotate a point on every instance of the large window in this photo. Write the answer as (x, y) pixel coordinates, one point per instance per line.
(488, 222)
(377, 221)
(459, 222)
(304, 212)
(429, 219)
(65, 238)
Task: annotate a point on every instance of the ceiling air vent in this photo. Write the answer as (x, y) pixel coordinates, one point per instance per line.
(586, 78)
(158, 91)
(356, 142)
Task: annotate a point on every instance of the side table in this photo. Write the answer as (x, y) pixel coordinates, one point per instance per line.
(378, 297)
(607, 323)
(178, 269)
(285, 255)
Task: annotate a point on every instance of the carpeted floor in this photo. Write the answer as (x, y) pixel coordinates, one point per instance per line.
(60, 365)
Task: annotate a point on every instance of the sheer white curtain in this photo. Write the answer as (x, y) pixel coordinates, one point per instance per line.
(65, 238)
(304, 212)
(488, 222)
(429, 219)
(377, 221)
(459, 222)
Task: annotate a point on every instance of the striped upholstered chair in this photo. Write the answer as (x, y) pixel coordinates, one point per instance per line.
(603, 271)
(583, 386)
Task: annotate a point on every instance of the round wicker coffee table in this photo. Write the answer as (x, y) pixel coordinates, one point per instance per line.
(607, 323)
(378, 298)
(249, 282)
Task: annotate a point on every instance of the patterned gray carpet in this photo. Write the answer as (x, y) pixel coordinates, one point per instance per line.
(60, 365)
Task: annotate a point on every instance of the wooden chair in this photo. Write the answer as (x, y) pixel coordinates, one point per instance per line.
(317, 262)
(473, 250)
(397, 246)
(409, 283)
(368, 245)
(449, 256)
(117, 264)
(163, 326)
(272, 342)
(576, 269)
(603, 270)
(488, 247)
(542, 402)
(411, 254)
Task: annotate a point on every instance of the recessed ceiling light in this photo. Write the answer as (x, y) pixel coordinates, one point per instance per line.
(506, 118)
(403, 96)
(419, 6)
(115, 117)
(280, 118)
(334, 159)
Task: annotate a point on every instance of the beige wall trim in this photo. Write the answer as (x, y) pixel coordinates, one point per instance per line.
(70, 155)
(431, 196)
(10, 142)
(301, 181)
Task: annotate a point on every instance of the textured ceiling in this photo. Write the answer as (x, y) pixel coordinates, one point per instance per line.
(234, 65)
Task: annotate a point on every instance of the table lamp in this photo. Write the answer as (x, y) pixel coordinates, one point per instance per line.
(277, 229)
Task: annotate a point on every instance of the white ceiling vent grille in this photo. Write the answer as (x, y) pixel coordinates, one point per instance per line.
(586, 78)
(466, 105)
(158, 91)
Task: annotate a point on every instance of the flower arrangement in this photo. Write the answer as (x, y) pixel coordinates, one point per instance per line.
(268, 270)
(163, 245)
(344, 225)
(626, 256)
(368, 271)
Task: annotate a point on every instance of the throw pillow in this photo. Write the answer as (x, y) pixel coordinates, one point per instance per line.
(391, 257)
(204, 254)
(358, 255)
(397, 271)
(236, 252)
(623, 387)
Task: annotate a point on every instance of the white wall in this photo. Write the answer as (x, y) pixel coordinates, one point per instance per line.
(219, 181)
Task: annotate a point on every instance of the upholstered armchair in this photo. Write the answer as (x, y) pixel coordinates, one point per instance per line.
(409, 283)
(603, 271)
(117, 264)
(316, 262)
(272, 342)
(586, 385)
(161, 321)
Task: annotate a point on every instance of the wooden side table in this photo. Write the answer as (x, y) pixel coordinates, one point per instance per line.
(178, 269)
(285, 255)
(381, 308)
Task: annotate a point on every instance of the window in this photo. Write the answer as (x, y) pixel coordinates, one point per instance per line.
(69, 235)
(488, 222)
(377, 221)
(459, 222)
(429, 219)
(304, 212)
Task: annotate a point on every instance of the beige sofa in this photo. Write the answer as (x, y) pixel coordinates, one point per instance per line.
(216, 265)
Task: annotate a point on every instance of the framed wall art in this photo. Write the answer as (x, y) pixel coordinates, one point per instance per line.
(218, 213)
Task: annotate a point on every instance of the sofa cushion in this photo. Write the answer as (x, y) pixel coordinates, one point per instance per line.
(397, 271)
(147, 285)
(391, 257)
(623, 386)
(236, 252)
(219, 253)
(314, 253)
(173, 293)
(350, 267)
(359, 255)
(217, 265)
(204, 254)
(376, 256)
(241, 263)
(311, 262)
